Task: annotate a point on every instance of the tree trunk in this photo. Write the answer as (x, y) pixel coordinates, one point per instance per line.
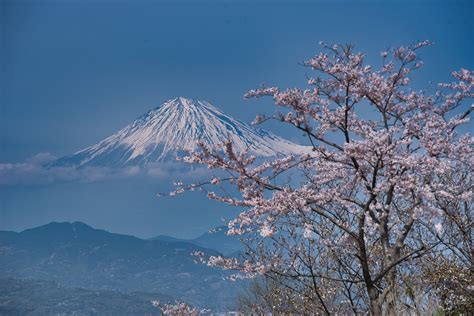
(375, 304)
(392, 294)
(392, 286)
(375, 308)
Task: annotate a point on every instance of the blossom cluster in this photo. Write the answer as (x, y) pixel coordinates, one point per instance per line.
(179, 309)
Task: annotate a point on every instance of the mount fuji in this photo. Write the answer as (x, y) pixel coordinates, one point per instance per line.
(171, 129)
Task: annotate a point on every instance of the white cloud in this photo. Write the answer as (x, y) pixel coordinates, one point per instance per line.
(34, 171)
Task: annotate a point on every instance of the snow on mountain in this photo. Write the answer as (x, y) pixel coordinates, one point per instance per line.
(174, 127)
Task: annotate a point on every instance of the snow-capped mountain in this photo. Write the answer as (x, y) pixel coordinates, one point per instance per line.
(175, 127)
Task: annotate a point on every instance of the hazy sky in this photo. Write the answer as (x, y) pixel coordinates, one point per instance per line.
(74, 72)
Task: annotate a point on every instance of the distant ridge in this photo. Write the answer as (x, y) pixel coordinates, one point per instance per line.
(216, 239)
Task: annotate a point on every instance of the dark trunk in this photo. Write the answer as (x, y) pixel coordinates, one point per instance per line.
(375, 305)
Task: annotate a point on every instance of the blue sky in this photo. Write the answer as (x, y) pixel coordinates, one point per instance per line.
(74, 72)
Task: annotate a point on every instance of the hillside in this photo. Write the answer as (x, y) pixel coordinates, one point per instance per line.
(36, 297)
(77, 255)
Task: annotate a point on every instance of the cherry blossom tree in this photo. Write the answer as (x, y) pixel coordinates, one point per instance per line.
(342, 223)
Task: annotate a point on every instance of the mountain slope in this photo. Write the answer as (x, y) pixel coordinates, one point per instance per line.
(77, 255)
(172, 128)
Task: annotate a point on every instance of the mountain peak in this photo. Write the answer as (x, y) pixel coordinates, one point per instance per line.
(176, 127)
(186, 101)
(180, 101)
(53, 225)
